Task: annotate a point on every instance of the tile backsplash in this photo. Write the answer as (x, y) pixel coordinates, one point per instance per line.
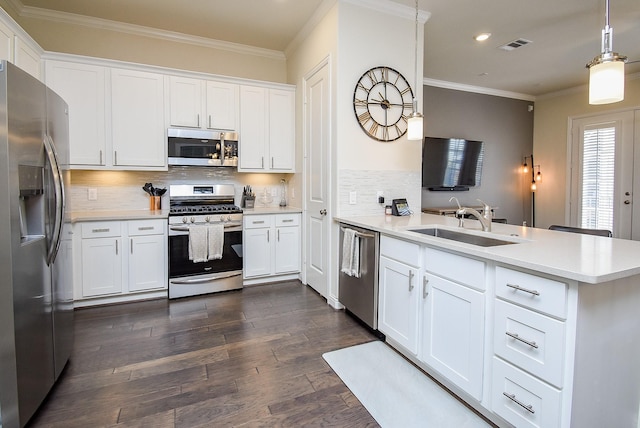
(122, 190)
(366, 184)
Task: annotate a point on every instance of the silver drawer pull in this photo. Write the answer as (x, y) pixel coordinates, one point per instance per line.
(512, 397)
(100, 230)
(411, 274)
(146, 228)
(258, 222)
(517, 287)
(516, 337)
(289, 220)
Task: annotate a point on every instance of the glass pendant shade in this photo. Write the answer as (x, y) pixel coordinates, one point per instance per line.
(606, 82)
(414, 127)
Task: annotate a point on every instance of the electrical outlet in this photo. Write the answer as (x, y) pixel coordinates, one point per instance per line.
(352, 198)
(92, 194)
(380, 196)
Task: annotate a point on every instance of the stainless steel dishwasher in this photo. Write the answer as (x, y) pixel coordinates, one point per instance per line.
(359, 295)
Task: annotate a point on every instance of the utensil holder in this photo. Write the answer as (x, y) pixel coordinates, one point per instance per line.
(248, 201)
(154, 203)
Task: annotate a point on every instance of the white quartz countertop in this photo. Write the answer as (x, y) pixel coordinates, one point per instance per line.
(77, 216)
(271, 210)
(585, 258)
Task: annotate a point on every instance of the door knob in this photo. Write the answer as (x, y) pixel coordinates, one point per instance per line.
(323, 212)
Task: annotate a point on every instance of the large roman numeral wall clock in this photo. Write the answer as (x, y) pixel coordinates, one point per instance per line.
(382, 102)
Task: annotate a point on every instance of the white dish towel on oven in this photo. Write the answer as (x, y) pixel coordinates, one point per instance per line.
(198, 248)
(215, 241)
(351, 253)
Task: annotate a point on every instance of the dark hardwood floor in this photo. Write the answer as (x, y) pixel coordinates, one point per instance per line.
(243, 358)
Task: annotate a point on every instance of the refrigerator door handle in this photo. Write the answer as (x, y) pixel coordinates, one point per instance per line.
(54, 243)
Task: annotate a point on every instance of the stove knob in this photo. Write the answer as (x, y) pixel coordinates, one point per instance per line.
(193, 219)
(184, 219)
(228, 218)
(222, 218)
(207, 219)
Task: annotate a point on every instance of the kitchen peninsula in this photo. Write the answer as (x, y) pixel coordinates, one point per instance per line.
(537, 331)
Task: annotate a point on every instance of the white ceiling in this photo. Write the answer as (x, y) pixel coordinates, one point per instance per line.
(566, 34)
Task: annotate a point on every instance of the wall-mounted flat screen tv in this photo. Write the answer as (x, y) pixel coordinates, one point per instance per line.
(451, 163)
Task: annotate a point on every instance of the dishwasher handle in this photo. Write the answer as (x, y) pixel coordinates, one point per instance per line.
(360, 234)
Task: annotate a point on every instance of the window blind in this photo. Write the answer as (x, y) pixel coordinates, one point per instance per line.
(598, 164)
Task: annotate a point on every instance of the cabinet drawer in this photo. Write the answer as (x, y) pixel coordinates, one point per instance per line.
(522, 399)
(397, 249)
(287, 220)
(457, 268)
(146, 227)
(101, 229)
(541, 294)
(257, 221)
(530, 340)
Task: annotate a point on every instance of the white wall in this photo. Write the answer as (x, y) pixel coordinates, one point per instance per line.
(550, 138)
(368, 38)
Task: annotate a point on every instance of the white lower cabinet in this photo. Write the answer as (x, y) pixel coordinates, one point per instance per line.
(101, 264)
(117, 258)
(452, 320)
(147, 256)
(523, 400)
(399, 291)
(453, 332)
(529, 347)
(271, 246)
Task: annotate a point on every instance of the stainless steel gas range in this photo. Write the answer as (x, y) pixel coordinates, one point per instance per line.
(191, 207)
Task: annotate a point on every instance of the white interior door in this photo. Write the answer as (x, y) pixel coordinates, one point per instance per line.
(602, 164)
(317, 180)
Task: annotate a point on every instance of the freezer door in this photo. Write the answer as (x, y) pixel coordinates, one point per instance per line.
(31, 276)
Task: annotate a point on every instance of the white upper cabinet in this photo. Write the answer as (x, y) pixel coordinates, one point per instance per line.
(206, 104)
(82, 86)
(17, 47)
(253, 129)
(137, 114)
(185, 101)
(222, 101)
(26, 57)
(282, 130)
(6, 42)
(267, 130)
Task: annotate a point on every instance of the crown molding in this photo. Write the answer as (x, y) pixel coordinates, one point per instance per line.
(392, 8)
(139, 30)
(477, 89)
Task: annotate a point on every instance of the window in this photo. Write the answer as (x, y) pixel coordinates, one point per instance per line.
(598, 179)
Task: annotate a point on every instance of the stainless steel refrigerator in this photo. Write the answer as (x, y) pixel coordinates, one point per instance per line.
(36, 296)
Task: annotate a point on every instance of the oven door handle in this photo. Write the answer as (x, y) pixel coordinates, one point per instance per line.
(207, 279)
(227, 228)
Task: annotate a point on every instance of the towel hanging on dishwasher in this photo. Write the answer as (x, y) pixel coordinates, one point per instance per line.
(351, 253)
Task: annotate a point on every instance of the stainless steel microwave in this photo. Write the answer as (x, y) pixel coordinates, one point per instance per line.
(201, 147)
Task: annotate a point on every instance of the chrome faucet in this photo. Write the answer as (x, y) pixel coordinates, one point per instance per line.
(485, 218)
(459, 216)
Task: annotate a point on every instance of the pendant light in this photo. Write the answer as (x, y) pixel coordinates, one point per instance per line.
(606, 71)
(415, 129)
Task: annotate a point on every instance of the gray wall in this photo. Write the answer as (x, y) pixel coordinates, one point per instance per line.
(506, 127)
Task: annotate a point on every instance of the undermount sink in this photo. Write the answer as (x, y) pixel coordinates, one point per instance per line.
(467, 238)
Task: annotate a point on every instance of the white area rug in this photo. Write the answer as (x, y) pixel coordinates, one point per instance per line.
(395, 392)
